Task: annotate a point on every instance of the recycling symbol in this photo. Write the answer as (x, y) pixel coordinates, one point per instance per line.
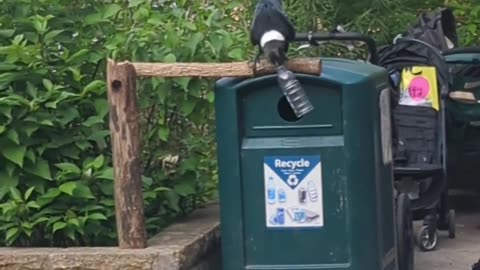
(292, 180)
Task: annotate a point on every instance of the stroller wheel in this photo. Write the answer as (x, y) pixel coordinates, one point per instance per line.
(427, 238)
(451, 224)
(405, 238)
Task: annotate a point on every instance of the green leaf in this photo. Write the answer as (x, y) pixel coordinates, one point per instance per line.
(77, 75)
(164, 133)
(48, 197)
(190, 26)
(51, 35)
(46, 122)
(28, 193)
(29, 128)
(170, 58)
(93, 120)
(185, 188)
(36, 182)
(68, 188)
(10, 168)
(6, 33)
(107, 174)
(11, 235)
(236, 54)
(8, 66)
(7, 226)
(40, 220)
(59, 226)
(68, 167)
(135, 3)
(155, 19)
(99, 135)
(71, 233)
(217, 43)
(78, 57)
(184, 82)
(2, 129)
(82, 191)
(162, 91)
(74, 221)
(69, 115)
(33, 204)
(173, 200)
(41, 168)
(472, 28)
(111, 10)
(188, 106)
(94, 18)
(98, 162)
(13, 136)
(8, 180)
(31, 155)
(48, 84)
(101, 106)
(3, 192)
(16, 195)
(14, 153)
(96, 86)
(17, 39)
(162, 189)
(192, 44)
(147, 181)
(211, 97)
(97, 216)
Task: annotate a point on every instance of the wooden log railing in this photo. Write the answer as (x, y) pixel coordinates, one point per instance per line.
(125, 135)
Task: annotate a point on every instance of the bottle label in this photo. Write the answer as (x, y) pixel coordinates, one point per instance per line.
(293, 191)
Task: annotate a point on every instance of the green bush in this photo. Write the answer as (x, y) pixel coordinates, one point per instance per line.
(468, 17)
(55, 162)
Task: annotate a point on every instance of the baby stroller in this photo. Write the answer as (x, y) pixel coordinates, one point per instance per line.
(463, 111)
(402, 210)
(419, 139)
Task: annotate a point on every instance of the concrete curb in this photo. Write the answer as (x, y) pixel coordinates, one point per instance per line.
(190, 243)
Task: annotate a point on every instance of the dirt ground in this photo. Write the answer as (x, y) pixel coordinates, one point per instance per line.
(460, 253)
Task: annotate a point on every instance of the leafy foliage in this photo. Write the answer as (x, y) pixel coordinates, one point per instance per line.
(468, 17)
(56, 180)
(55, 164)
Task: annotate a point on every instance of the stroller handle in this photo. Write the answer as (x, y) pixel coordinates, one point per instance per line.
(468, 50)
(444, 70)
(347, 36)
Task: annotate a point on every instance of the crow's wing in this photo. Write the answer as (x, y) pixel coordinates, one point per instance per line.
(269, 15)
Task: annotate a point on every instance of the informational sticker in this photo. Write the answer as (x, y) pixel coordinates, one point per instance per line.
(386, 126)
(293, 191)
(419, 87)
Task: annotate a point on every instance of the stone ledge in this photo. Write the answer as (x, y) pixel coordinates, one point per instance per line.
(179, 247)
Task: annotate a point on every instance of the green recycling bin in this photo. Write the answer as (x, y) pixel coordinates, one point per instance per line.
(309, 193)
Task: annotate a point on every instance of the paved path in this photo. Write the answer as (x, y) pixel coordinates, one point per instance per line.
(459, 253)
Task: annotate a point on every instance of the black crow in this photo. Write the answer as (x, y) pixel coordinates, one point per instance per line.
(272, 31)
(476, 266)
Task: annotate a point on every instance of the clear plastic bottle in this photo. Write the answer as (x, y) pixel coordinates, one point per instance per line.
(282, 196)
(271, 192)
(294, 92)
(312, 191)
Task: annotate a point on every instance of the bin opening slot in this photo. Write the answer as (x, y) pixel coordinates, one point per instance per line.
(286, 112)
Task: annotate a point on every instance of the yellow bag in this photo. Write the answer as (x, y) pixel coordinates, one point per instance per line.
(419, 87)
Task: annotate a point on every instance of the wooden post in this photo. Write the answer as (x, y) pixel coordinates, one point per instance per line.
(124, 129)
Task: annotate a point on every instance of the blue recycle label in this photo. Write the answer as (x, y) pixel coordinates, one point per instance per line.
(292, 169)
